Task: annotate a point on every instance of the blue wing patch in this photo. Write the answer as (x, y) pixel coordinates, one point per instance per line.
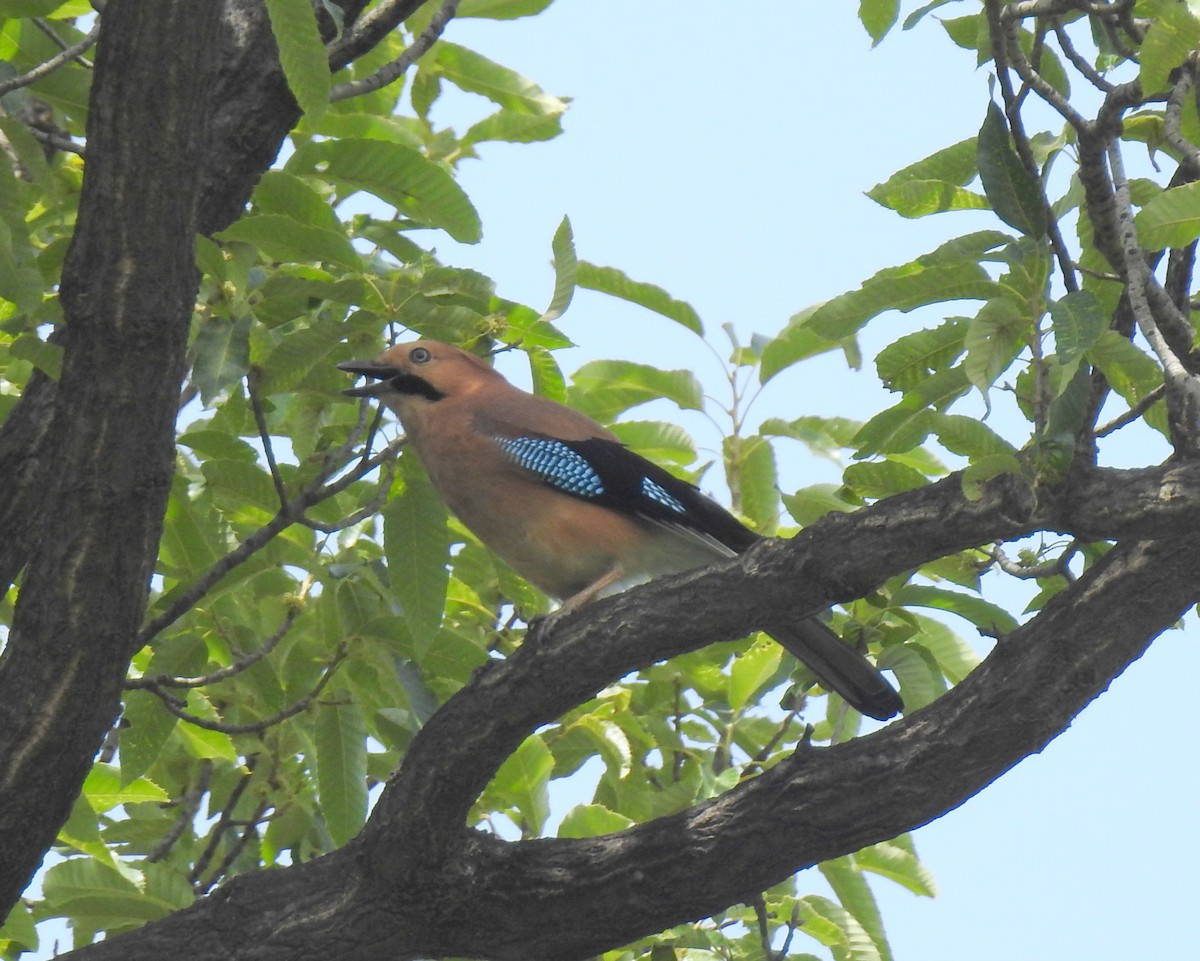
(656, 492)
(555, 463)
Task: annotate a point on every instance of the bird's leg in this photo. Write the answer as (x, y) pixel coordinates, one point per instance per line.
(540, 625)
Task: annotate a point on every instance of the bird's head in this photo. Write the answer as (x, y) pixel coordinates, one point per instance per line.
(423, 371)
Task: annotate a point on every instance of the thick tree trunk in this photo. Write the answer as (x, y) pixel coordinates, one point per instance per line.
(104, 468)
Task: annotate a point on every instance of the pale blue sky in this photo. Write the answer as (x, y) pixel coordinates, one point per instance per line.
(722, 151)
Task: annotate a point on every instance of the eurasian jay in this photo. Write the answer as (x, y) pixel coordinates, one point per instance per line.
(566, 505)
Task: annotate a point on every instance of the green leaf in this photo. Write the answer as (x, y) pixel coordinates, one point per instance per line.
(1128, 371)
(398, 175)
(921, 682)
(1014, 194)
(855, 894)
(513, 127)
(969, 437)
(810, 504)
(908, 361)
(220, 355)
(104, 790)
(1167, 44)
(949, 273)
(97, 896)
(890, 860)
(341, 742)
(501, 9)
(287, 195)
(878, 17)
(882, 478)
(983, 469)
(988, 617)
(609, 280)
(284, 239)
(1172, 219)
(754, 479)
(834, 926)
(995, 337)
(149, 726)
(933, 185)
(822, 435)
(301, 53)
(523, 780)
(751, 670)
(659, 441)
(548, 380)
(1078, 323)
(416, 542)
(592, 820)
(565, 269)
(954, 656)
(605, 388)
(475, 73)
(44, 355)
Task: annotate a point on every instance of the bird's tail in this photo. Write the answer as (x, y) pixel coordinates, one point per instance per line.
(840, 668)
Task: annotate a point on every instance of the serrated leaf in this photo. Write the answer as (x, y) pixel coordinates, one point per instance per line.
(834, 926)
(475, 73)
(754, 479)
(751, 670)
(149, 726)
(592, 820)
(341, 742)
(1128, 371)
(104, 790)
(1172, 219)
(882, 478)
(921, 681)
(1014, 194)
(969, 437)
(611, 281)
(954, 656)
(284, 239)
(565, 269)
(988, 617)
(983, 469)
(501, 9)
(548, 380)
(906, 362)
(659, 441)
(878, 17)
(301, 53)
(890, 860)
(1167, 44)
(523, 780)
(605, 388)
(995, 337)
(1078, 323)
(932, 185)
(810, 504)
(398, 175)
(220, 355)
(856, 897)
(416, 542)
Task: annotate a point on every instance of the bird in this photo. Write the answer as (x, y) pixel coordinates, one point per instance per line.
(571, 509)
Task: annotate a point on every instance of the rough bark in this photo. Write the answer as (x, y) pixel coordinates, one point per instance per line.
(105, 465)
(401, 891)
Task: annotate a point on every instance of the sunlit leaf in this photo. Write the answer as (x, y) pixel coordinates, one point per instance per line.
(301, 52)
(609, 280)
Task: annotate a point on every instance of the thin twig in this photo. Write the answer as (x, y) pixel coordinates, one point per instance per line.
(1134, 413)
(236, 848)
(190, 804)
(171, 703)
(1077, 59)
(394, 70)
(312, 494)
(264, 434)
(43, 69)
(218, 830)
(242, 664)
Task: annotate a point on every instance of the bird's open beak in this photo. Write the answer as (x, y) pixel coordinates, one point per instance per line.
(368, 368)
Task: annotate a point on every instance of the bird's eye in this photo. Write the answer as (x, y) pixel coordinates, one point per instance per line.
(419, 355)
